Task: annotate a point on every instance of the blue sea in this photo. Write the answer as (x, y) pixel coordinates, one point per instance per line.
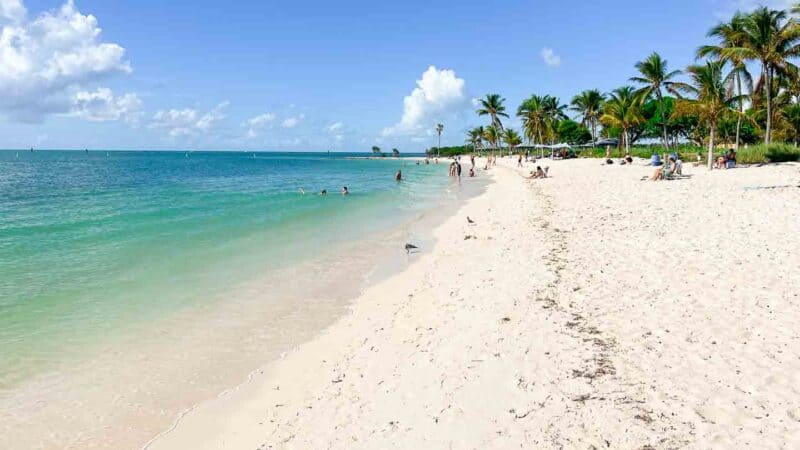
(99, 244)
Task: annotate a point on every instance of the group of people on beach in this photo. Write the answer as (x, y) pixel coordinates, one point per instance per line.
(726, 160)
(455, 167)
(672, 168)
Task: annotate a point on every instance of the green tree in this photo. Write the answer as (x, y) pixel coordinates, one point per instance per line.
(766, 36)
(791, 115)
(512, 139)
(572, 132)
(731, 36)
(623, 110)
(589, 104)
(492, 105)
(439, 129)
(654, 76)
(475, 137)
(554, 112)
(711, 101)
(491, 135)
(533, 119)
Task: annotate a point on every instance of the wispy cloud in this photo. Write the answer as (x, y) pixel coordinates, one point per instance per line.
(333, 128)
(291, 122)
(187, 121)
(550, 58)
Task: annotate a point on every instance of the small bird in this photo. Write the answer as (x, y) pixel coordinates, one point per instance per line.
(470, 221)
(410, 247)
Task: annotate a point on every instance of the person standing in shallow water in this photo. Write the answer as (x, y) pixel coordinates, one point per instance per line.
(398, 176)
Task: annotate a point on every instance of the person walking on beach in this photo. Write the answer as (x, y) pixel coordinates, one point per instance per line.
(472, 160)
(398, 176)
(458, 169)
(519, 160)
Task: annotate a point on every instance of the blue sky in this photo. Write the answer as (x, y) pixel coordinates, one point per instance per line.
(312, 75)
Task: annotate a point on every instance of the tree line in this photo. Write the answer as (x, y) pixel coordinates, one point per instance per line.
(743, 88)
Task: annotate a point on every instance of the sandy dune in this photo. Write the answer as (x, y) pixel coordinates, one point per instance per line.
(588, 310)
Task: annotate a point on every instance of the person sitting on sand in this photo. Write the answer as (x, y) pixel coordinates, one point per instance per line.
(628, 158)
(538, 173)
(655, 160)
(721, 161)
(398, 176)
(664, 172)
(345, 191)
(471, 172)
(730, 159)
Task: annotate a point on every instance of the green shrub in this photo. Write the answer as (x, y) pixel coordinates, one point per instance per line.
(757, 154)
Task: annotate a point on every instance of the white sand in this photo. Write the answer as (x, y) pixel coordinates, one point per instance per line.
(590, 310)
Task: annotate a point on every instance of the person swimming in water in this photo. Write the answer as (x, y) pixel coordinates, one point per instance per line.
(398, 176)
(323, 192)
(345, 191)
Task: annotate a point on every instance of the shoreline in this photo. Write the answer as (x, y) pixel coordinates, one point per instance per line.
(182, 346)
(554, 326)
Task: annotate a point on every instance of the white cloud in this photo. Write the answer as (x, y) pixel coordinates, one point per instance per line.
(261, 120)
(550, 58)
(257, 123)
(43, 61)
(102, 106)
(333, 128)
(187, 121)
(439, 94)
(12, 10)
(292, 122)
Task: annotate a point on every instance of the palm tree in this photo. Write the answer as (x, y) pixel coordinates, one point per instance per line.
(623, 110)
(533, 119)
(512, 139)
(711, 99)
(554, 112)
(654, 76)
(475, 137)
(730, 37)
(493, 106)
(439, 129)
(589, 104)
(492, 135)
(768, 37)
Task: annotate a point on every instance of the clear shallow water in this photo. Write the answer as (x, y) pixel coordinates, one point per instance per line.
(93, 244)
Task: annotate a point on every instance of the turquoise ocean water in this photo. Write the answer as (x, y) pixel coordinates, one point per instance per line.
(92, 244)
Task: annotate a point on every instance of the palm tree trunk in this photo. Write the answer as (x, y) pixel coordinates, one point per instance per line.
(768, 79)
(713, 126)
(627, 141)
(663, 122)
(741, 109)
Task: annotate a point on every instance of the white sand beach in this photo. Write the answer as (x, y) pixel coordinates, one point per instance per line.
(587, 310)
